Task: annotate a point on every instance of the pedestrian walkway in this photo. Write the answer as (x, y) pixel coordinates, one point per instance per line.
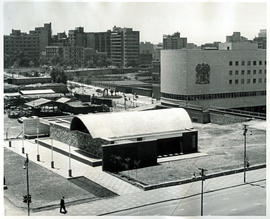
(61, 166)
(135, 200)
(130, 196)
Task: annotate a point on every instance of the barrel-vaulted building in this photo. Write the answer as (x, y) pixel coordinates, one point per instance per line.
(127, 139)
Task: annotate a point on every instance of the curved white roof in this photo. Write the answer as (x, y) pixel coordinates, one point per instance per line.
(120, 124)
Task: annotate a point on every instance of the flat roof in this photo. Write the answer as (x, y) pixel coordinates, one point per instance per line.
(63, 100)
(38, 102)
(31, 92)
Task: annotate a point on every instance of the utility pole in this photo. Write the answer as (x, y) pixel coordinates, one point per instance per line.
(245, 151)
(202, 178)
(38, 155)
(27, 199)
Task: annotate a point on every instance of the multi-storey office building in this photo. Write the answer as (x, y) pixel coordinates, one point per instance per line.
(18, 42)
(103, 42)
(234, 76)
(30, 45)
(174, 41)
(73, 55)
(53, 51)
(77, 37)
(125, 46)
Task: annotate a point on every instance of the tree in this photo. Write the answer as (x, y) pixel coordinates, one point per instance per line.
(58, 75)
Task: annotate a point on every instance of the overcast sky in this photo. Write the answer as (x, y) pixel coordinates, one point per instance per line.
(199, 22)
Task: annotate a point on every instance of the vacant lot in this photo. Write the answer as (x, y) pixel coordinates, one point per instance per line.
(223, 144)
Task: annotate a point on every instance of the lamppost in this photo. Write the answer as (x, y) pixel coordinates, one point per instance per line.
(23, 140)
(69, 162)
(52, 162)
(245, 151)
(202, 178)
(38, 156)
(27, 198)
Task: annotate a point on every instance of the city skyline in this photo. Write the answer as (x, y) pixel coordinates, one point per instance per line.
(199, 22)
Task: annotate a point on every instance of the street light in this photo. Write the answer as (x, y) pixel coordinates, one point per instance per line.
(23, 140)
(202, 178)
(27, 198)
(69, 162)
(38, 156)
(52, 162)
(245, 151)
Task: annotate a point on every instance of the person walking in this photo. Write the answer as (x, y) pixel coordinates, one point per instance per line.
(62, 205)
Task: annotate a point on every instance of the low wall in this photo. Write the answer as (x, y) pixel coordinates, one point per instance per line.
(224, 118)
(30, 80)
(78, 139)
(33, 127)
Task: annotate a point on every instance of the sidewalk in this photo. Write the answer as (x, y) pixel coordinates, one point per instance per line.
(135, 200)
(130, 196)
(61, 164)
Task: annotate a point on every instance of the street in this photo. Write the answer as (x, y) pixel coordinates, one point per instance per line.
(242, 200)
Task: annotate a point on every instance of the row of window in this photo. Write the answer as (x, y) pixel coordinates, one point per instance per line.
(248, 81)
(236, 63)
(236, 72)
(213, 96)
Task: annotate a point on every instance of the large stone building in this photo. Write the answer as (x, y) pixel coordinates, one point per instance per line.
(234, 76)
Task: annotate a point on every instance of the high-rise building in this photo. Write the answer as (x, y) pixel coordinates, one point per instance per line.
(174, 41)
(236, 37)
(261, 39)
(125, 47)
(103, 42)
(77, 37)
(90, 40)
(27, 47)
(74, 55)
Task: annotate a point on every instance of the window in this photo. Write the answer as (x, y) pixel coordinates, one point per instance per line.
(264, 71)
(236, 81)
(236, 63)
(265, 80)
(260, 71)
(230, 63)
(248, 72)
(260, 80)
(254, 80)
(230, 81)
(248, 63)
(236, 72)
(265, 62)
(242, 81)
(254, 72)
(254, 62)
(243, 62)
(260, 62)
(243, 72)
(248, 81)
(230, 72)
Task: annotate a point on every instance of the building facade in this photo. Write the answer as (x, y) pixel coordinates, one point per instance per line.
(26, 47)
(234, 76)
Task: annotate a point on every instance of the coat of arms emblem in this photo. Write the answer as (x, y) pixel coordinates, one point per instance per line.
(202, 76)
